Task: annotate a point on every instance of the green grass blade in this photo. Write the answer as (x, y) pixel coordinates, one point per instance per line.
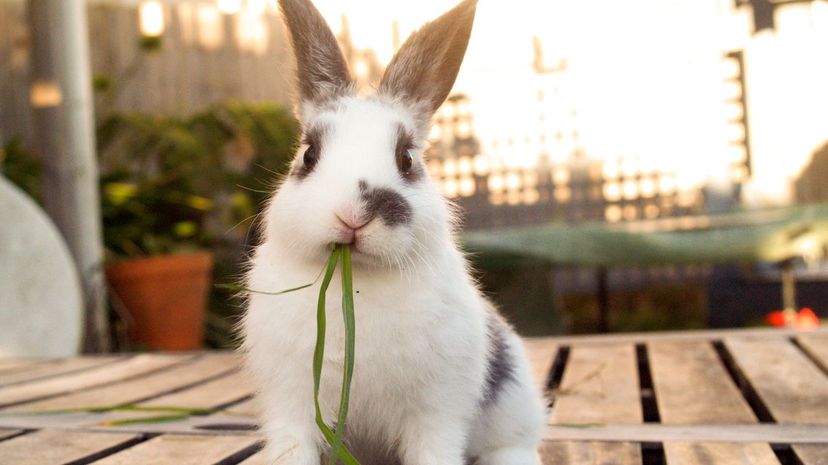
(145, 420)
(240, 288)
(348, 368)
(319, 349)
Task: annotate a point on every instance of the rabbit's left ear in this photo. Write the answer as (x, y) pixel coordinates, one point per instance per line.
(424, 69)
(322, 74)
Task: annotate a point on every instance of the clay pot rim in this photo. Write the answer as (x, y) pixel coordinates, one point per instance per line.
(171, 263)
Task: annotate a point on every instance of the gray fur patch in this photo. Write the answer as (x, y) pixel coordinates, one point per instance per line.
(425, 68)
(385, 203)
(501, 369)
(322, 74)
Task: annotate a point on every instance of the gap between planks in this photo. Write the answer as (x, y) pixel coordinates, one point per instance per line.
(791, 386)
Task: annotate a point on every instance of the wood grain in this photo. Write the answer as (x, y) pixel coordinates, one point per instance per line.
(209, 395)
(14, 364)
(54, 368)
(181, 450)
(817, 347)
(600, 385)
(133, 366)
(812, 454)
(5, 433)
(791, 386)
(57, 447)
(138, 389)
(249, 408)
(718, 453)
(693, 387)
(590, 453)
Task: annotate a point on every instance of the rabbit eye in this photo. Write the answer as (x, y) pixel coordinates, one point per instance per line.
(405, 161)
(311, 157)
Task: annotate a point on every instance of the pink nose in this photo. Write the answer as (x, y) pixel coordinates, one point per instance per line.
(351, 224)
(348, 230)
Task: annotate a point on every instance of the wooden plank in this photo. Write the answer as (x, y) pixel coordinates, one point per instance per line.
(56, 446)
(817, 347)
(697, 335)
(541, 352)
(6, 433)
(812, 454)
(130, 367)
(693, 387)
(55, 368)
(181, 450)
(657, 432)
(793, 388)
(718, 453)
(257, 459)
(14, 364)
(216, 393)
(248, 408)
(138, 389)
(590, 453)
(600, 385)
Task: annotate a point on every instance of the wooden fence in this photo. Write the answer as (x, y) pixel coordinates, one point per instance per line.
(205, 56)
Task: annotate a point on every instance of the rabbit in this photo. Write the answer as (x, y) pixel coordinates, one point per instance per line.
(439, 378)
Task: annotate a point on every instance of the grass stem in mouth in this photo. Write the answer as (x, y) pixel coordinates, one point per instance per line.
(334, 438)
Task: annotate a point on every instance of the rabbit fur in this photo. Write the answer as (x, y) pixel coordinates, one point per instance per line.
(439, 377)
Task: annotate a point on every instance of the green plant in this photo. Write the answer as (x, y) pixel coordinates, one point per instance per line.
(171, 184)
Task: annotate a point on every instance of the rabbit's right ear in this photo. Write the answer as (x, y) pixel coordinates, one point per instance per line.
(424, 69)
(321, 70)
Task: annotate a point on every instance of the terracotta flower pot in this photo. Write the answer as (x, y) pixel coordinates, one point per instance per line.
(166, 297)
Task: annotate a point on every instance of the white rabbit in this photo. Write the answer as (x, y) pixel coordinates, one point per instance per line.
(439, 378)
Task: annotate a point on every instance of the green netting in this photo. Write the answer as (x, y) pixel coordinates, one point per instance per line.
(745, 236)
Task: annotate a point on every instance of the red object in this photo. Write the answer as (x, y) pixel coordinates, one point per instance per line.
(166, 297)
(776, 318)
(804, 319)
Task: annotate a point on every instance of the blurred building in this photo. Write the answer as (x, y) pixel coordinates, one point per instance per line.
(157, 56)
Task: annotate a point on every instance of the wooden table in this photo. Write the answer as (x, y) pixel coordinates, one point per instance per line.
(756, 397)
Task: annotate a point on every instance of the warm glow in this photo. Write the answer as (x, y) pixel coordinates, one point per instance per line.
(210, 26)
(654, 100)
(45, 94)
(253, 32)
(151, 18)
(229, 7)
(361, 69)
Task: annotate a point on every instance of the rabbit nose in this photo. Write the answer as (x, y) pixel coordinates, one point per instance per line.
(351, 224)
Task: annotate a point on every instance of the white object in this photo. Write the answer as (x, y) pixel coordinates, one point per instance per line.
(439, 378)
(41, 310)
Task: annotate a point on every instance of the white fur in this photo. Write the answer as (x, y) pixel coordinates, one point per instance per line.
(421, 343)
(422, 349)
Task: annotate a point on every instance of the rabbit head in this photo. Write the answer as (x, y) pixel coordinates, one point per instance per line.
(358, 176)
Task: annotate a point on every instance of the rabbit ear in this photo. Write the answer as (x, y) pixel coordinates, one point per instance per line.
(424, 69)
(320, 65)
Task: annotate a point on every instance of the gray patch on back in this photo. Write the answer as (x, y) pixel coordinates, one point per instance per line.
(501, 368)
